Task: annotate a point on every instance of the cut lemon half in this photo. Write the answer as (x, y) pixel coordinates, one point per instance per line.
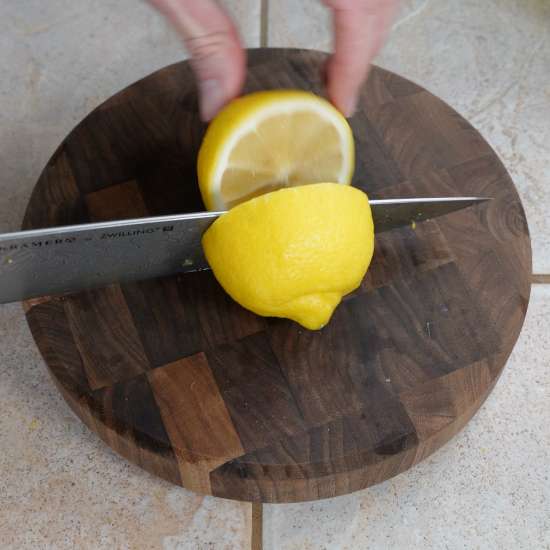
(269, 140)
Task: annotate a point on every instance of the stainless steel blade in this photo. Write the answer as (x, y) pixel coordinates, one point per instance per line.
(46, 262)
(392, 214)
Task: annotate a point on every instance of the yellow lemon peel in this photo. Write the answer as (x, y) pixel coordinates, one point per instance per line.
(294, 252)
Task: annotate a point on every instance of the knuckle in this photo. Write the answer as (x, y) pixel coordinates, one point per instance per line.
(208, 45)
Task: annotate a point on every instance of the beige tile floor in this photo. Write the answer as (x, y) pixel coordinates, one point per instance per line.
(62, 488)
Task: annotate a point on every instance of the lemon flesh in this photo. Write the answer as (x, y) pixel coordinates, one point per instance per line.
(294, 252)
(271, 140)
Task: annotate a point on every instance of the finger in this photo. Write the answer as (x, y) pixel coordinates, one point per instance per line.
(360, 27)
(217, 57)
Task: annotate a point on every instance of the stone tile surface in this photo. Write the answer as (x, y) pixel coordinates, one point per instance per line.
(487, 488)
(62, 488)
(61, 59)
(489, 60)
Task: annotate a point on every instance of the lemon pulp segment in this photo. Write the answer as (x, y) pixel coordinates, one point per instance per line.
(271, 140)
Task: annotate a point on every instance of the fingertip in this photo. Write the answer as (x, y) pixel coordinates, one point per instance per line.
(212, 99)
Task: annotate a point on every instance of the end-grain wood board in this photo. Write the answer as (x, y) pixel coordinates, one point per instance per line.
(182, 381)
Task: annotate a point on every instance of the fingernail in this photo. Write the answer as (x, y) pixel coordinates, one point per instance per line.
(212, 99)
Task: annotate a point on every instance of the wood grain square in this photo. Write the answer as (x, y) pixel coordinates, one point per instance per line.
(503, 217)
(196, 418)
(122, 437)
(27, 304)
(50, 329)
(56, 215)
(374, 166)
(401, 87)
(148, 122)
(59, 182)
(515, 257)
(475, 139)
(166, 322)
(313, 374)
(400, 253)
(401, 139)
(485, 273)
(274, 473)
(94, 154)
(255, 391)
(439, 410)
(374, 92)
(378, 360)
(102, 316)
(407, 336)
(449, 300)
(293, 72)
(190, 132)
(437, 128)
(120, 202)
(231, 322)
(129, 408)
(437, 404)
(169, 186)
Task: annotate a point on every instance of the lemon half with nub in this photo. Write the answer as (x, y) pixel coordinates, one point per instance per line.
(293, 252)
(271, 140)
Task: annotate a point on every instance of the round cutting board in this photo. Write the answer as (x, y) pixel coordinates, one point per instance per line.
(179, 379)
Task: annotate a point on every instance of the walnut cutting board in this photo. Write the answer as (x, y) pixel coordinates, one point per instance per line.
(182, 381)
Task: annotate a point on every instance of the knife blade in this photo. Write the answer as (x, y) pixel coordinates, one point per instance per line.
(46, 262)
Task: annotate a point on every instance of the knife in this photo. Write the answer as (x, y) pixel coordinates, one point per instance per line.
(46, 262)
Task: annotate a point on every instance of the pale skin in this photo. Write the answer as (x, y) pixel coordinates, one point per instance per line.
(219, 60)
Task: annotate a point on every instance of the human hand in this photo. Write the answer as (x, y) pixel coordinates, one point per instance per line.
(217, 57)
(360, 27)
(219, 61)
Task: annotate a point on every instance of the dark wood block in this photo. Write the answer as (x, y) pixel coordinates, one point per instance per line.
(50, 329)
(255, 391)
(165, 320)
(105, 335)
(232, 321)
(401, 87)
(436, 124)
(375, 168)
(504, 218)
(170, 186)
(319, 463)
(119, 202)
(56, 215)
(196, 418)
(181, 380)
(317, 379)
(375, 93)
(401, 139)
(128, 409)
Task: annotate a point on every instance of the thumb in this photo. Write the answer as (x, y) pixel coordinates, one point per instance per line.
(217, 57)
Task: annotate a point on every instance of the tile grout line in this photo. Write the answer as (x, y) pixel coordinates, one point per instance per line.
(264, 9)
(257, 526)
(543, 278)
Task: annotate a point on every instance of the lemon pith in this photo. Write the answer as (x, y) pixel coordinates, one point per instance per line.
(294, 252)
(271, 140)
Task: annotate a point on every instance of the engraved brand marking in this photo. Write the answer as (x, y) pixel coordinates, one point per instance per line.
(37, 244)
(127, 233)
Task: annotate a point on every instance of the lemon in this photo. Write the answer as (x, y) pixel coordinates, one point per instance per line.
(269, 140)
(293, 252)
